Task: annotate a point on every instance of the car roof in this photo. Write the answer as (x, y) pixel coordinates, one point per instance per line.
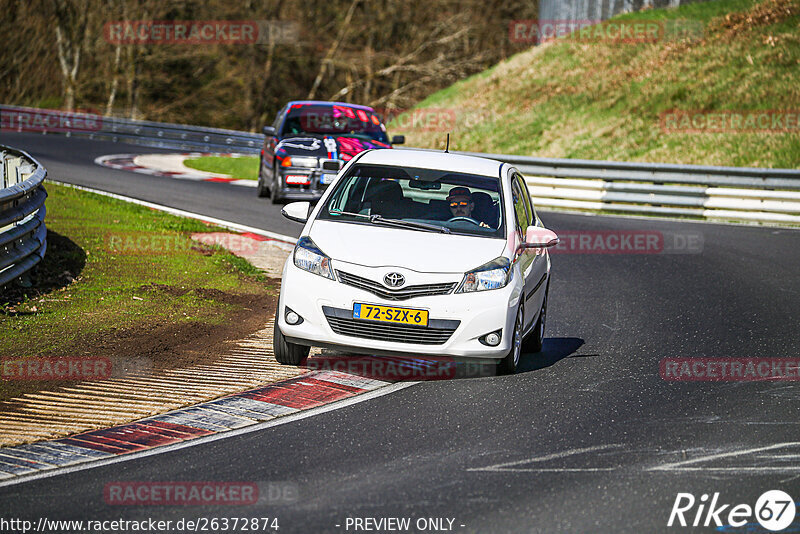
(433, 159)
(328, 103)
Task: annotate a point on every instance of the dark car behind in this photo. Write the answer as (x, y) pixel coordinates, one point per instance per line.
(309, 142)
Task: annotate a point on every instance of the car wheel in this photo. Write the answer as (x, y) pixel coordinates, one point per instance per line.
(533, 342)
(275, 189)
(263, 190)
(508, 365)
(287, 353)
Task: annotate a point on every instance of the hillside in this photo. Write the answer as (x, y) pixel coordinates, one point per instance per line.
(603, 99)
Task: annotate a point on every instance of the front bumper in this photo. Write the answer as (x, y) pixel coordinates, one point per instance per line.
(456, 321)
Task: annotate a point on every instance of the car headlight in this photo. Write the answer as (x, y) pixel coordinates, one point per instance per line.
(300, 161)
(309, 258)
(493, 275)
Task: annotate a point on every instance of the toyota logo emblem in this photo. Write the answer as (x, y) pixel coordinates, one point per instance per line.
(394, 279)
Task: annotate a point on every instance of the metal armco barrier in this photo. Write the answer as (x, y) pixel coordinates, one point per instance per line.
(146, 133)
(728, 193)
(23, 236)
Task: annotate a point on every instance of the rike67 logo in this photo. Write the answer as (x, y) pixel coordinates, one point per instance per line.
(774, 510)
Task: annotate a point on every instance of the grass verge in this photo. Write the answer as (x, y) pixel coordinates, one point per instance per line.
(123, 280)
(576, 98)
(243, 168)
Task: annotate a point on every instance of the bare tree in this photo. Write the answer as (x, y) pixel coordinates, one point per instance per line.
(389, 53)
(72, 19)
(117, 6)
(327, 60)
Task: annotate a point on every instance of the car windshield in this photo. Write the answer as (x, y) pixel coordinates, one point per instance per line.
(334, 120)
(424, 199)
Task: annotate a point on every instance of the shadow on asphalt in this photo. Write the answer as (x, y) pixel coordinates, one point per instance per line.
(553, 350)
(398, 369)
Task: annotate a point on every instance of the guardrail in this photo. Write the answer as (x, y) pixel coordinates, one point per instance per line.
(146, 133)
(728, 193)
(23, 236)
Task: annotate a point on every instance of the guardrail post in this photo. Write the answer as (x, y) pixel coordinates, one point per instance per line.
(3, 184)
(24, 171)
(11, 171)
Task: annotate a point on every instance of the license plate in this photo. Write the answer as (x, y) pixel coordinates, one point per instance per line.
(390, 314)
(325, 179)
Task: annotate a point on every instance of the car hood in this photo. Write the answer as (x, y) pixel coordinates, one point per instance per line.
(382, 246)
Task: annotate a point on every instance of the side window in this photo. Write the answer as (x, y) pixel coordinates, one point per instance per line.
(532, 219)
(535, 220)
(279, 119)
(520, 206)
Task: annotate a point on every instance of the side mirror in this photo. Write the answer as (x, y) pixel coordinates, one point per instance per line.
(269, 131)
(297, 211)
(538, 237)
(398, 139)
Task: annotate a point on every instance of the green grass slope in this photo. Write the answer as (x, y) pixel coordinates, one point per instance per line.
(582, 98)
(243, 168)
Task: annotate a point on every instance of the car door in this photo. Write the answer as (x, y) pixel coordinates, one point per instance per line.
(532, 263)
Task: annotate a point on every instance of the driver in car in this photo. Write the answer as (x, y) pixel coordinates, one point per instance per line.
(461, 203)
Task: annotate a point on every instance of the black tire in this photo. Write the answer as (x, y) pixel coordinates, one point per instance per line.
(263, 190)
(274, 188)
(287, 353)
(533, 341)
(508, 365)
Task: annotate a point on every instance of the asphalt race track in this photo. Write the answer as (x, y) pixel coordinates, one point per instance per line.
(589, 438)
(72, 160)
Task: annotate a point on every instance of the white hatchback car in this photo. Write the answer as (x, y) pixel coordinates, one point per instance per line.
(417, 253)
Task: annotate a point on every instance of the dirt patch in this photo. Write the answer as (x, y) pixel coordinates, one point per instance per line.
(103, 336)
(266, 254)
(226, 297)
(763, 14)
(169, 345)
(155, 369)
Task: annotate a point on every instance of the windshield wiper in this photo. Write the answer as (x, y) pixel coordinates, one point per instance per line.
(378, 219)
(340, 212)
